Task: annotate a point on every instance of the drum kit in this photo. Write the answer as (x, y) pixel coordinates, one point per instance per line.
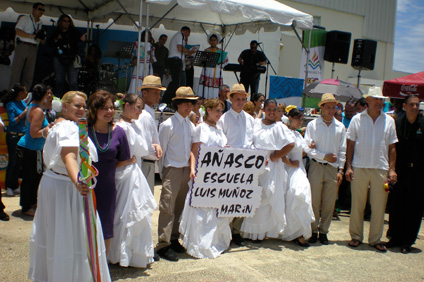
(109, 75)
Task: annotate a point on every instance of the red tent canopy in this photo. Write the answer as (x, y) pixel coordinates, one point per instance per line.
(403, 86)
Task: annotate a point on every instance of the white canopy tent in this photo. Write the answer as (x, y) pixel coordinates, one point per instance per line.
(215, 16)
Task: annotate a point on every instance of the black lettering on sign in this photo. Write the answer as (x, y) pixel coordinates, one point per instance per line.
(249, 165)
(205, 192)
(237, 161)
(236, 208)
(229, 161)
(259, 161)
(206, 159)
(217, 158)
(206, 177)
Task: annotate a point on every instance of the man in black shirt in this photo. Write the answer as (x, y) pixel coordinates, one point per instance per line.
(250, 59)
(407, 197)
(161, 55)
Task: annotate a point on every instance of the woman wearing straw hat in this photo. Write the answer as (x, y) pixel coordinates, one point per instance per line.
(203, 233)
(175, 138)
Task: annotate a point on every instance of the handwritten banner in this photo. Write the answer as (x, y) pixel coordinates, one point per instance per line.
(227, 179)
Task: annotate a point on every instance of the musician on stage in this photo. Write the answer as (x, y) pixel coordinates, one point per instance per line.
(250, 59)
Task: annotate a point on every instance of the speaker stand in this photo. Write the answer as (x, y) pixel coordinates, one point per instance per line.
(359, 77)
(333, 70)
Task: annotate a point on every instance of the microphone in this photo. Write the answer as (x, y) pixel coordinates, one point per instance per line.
(259, 43)
(52, 20)
(222, 40)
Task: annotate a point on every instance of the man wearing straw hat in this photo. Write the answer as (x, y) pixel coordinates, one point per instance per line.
(371, 159)
(237, 126)
(151, 90)
(327, 163)
(175, 137)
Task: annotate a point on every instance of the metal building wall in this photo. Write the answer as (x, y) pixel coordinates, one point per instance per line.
(379, 15)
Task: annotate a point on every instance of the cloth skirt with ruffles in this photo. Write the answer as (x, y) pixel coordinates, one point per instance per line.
(132, 244)
(58, 244)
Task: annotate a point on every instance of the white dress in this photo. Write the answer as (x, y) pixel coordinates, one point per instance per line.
(132, 244)
(299, 213)
(204, 234)
(58, 247)
(132, 88)
(269, 219)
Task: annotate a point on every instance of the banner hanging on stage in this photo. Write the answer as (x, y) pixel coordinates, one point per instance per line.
(227, 179)
(315, 63)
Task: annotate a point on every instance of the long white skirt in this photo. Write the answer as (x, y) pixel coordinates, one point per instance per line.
(58, 247)
(133, 88)
(132, 243)
(299, 211)
(204, 234)
(269, 219)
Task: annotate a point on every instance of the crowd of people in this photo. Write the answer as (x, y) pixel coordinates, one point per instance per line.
(297, 204)
(359, 149)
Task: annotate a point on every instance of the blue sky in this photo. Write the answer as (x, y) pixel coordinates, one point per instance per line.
(409, 36)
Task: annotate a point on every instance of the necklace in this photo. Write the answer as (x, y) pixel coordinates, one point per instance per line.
(210, 123)
(124, 118)
(109, 139)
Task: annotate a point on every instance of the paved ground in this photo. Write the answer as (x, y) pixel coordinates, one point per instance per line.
(272, 260)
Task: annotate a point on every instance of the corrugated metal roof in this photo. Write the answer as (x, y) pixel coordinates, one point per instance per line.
(379, 15)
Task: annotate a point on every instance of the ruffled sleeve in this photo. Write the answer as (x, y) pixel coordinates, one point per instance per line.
(62, 135)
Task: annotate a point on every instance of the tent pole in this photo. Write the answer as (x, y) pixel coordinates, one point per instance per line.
(146, 36)
(140, 18)
(164, 15)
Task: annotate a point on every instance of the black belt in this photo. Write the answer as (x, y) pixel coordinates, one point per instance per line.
(148, 161)
(319, 162)
(16, 133)
(58, 173)
(27, 43)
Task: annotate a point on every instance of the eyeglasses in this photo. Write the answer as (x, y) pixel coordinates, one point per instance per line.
(41, 9)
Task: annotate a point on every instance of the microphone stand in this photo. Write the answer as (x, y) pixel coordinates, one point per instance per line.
(268, 63)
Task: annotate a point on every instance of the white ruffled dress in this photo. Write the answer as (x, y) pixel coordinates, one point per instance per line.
(204, 234)
(269, 219)
(132, 244)
(299, 213)
(58, 247)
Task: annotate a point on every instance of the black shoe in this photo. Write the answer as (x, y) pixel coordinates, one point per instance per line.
(4, 216)
(404, 249)
(392, 244)
(156, 257)
(168, 254)
(238, 240)
(305, 245)
(314, 238)
(176, 246)
(323, 239)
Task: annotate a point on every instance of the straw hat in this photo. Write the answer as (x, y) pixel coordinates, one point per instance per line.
(238, 88)
(152, 82)
(327, 98)
(185, 93)
(375, 92)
